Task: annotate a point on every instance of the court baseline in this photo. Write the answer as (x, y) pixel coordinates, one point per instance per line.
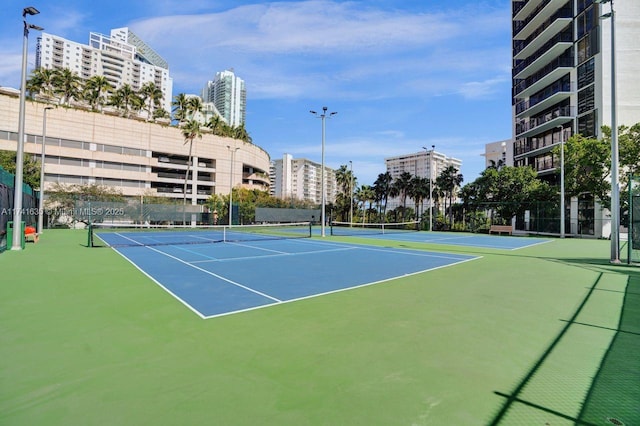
(224, 278)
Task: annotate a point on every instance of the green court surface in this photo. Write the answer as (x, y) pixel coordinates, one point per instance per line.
(545, 335)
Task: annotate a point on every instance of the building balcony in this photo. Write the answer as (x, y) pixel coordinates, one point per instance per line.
(546, 75)
(522, 9)
(553, 94)
(540, 18)
(558, 55)
(551, 119)
(109, 73)
(528, 51)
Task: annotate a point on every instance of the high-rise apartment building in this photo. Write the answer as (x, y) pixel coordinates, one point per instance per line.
(301, 179)
(562, 74)
(498, 154)
(122, 58)
(562, 79)
(427, 164)
(228, 94)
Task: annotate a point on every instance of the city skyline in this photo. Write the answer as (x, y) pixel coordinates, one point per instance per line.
(400, 77)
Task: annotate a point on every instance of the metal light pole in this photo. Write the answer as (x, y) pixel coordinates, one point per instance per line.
(17, 196)
(615, 184)
(351, 192)
(430, 152)
(615, 190)
(323, 116)
(233, 152)
(42, 157)
(561, 181)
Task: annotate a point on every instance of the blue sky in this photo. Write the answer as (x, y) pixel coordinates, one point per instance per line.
(401, 74)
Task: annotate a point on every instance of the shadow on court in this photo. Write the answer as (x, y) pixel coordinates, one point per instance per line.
(613, 398)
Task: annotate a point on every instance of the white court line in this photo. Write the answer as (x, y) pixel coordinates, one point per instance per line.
(171, 293)
(341, 247)
(267, 256)
(397, 250)
(341, 289)
(215, 275)
(210, 258)
(257, 248)
(532, 245)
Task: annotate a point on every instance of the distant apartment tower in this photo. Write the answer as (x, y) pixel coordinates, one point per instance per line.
(122, 58)
(562, 74)
(228, 94)
(301, 179)
(498, 154)
(427, 164)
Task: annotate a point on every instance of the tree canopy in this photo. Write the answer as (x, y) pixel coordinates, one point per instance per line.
(30, 168)
(508, 191)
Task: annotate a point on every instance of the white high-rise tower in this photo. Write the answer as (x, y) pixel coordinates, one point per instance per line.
(227, 92)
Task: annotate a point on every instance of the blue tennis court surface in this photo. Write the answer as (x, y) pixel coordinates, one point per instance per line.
(457, 239)
(224, 278)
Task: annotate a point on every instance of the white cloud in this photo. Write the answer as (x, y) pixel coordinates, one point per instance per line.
(482, 89)
(284, 49)
(310, 26)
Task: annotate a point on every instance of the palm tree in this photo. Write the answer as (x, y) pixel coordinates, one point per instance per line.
(343, 179)
(116, 100)
(216, 124)
(365, 194)
(67, 84)
(448, 181)
(179, 105)
(161, 113)
(346, 186)
(496, 164)
(400, 188)
(190, 131)
(125, 98)
(194, 107)
(382, 189)
(151, 96)
(419, 190)
(42, 82)
(95, 90)
(239, 132)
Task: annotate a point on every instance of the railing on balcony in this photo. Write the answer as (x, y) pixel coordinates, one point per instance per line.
(564, 12)
(547, 92)
(519, 25)
(560, 62)
(526, 125)
(565, 36)
(517, 7)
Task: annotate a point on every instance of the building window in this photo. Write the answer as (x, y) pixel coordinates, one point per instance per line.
(583, 4)
(586, 73)
(587, 124)
(585, 22)
(588, 45)
(586, 100)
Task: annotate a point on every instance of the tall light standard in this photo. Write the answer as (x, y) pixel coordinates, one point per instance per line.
(233, 152)
(351, 192)
(323, 116)
(561, 181)
(615, 190)
(42, 156)
(430, 152)
(17, 196)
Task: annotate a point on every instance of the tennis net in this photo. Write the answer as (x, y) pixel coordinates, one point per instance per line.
(131, 235)
(352, 228)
